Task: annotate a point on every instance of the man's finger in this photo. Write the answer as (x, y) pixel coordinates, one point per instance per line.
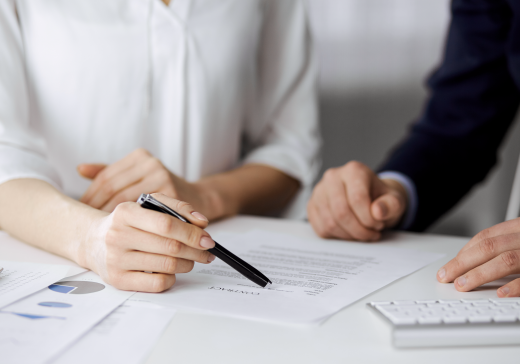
(321, 218)
(478, 254)
(512, 289)
(505, 264)
(336, 219)
(346, 219)
(504, 228)
(315, 218)
(357, 180)
(335, 203)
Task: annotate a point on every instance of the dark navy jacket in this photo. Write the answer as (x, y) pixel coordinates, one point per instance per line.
(474, 98)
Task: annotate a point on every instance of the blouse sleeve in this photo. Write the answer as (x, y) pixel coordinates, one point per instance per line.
(283, 131)
(22, 151)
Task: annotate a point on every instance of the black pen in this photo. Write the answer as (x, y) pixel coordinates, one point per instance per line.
(247, 270)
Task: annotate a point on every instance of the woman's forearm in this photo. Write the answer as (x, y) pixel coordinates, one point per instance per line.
(250, 189)
(35, 212)
(120, 246)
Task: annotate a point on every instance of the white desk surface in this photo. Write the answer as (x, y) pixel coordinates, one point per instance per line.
(354, 335)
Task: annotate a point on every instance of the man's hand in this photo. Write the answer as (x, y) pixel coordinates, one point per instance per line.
(491, 254)
(139, 172)
(353, 203)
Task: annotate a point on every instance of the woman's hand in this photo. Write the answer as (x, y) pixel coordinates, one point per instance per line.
(491, 254)
(137, 173)
(132, 240)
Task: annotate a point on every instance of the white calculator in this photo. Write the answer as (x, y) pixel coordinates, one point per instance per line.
(427, 323)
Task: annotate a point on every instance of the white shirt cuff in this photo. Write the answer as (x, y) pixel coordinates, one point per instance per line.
(411, 193)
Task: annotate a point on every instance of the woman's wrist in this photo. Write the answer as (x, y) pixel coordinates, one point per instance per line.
(252, 188)
(216, 203)
(87, 234)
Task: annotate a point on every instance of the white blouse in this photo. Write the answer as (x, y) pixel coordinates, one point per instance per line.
(204, 85)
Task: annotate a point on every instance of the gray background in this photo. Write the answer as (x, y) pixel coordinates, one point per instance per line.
(374, 57)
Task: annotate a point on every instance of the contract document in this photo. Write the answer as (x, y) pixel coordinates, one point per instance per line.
(37, 328)
(19, 280)
(127, 336)
(312, 278)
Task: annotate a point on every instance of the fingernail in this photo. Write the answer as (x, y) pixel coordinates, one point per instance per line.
(504, 291)
(461, 281)
(384, 210)
(207, 242)
(211, 258)
(199, 216)
(441, 273)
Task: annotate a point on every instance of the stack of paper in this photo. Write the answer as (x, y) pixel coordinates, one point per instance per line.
(77, 320)
(37, 328)
(83, 320)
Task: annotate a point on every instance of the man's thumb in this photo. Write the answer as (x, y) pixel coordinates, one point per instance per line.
(90, 171)
(386, 207)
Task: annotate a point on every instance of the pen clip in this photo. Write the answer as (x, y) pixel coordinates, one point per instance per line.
(147, 198)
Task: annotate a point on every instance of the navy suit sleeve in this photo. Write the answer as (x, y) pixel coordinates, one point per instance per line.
(472, 103)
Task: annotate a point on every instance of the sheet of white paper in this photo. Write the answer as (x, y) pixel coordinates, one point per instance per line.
(127, 336)
(19, 280)
(37, 328)
(312, 278)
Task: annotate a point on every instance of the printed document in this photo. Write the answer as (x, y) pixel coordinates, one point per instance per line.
(127, 336)
(37, 328)
(19, 280)
(312, 278)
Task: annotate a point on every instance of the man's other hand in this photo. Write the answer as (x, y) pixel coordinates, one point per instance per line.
(491, 254)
